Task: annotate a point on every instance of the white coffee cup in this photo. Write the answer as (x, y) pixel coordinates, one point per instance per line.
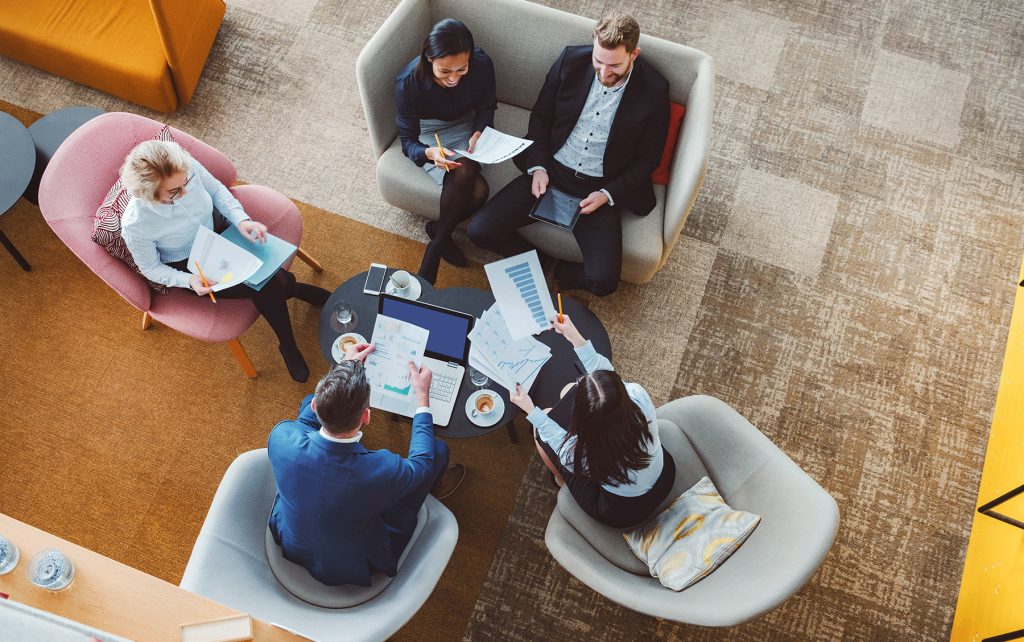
(484, 404)
(401, 281)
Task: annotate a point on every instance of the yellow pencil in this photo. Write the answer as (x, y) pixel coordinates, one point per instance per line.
(440, 149)
(560, 308)
(205, 282)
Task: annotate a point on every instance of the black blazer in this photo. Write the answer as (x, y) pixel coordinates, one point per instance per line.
(637, 136)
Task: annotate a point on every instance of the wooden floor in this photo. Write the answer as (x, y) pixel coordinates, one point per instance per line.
(991, 598)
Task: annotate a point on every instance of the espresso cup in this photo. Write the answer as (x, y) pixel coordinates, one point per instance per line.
(402, 282)
(484, 404)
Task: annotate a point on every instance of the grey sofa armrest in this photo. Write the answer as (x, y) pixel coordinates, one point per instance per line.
(691, 155)
(396, 42)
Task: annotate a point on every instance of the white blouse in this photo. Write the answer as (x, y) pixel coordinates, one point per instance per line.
(640, 481)
(157, 233)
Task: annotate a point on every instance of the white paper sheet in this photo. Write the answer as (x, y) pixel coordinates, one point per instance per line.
(495, 147)
(506, 361)
(396, 343)
(521, 293)
(221, 260)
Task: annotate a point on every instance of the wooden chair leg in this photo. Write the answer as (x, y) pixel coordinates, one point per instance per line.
(243, 359)
(146, 320)
(313, 263)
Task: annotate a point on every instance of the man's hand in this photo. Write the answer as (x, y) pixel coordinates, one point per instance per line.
(420, 379)
(520, 398)
(568, 330)
(590, 204)
(434, 154)
(472, 141)
(255, 232)
(540, 183)
(358, 352)
(196, 283)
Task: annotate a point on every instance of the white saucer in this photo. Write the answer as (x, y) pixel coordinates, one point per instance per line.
(414, 292)
(336, 346)
(492, 417)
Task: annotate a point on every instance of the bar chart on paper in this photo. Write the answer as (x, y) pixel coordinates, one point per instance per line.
(523, 278)
(521, 293)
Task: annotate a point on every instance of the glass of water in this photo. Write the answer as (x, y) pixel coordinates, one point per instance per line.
(50, 569)
(343, 317)
(9, 555)
(478, 378)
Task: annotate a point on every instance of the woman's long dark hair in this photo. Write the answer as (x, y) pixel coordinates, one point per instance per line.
(447, 38)
(610, 429)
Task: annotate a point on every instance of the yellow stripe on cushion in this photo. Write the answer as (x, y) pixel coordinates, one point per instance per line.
(714, 545)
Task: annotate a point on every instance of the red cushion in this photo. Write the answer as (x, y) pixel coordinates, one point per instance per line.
(106, 225)
(675, 119)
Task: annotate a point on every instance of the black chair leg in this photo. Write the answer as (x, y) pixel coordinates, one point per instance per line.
(511, 428)
(14, 252)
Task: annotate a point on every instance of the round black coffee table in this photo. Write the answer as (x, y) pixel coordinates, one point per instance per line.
(562, 368)
(48, 133)
(17, 160)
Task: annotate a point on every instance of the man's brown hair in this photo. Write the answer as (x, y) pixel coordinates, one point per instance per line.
(342, 396)
(616, 29)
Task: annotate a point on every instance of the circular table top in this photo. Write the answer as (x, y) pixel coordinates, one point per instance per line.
(17, 160)
(558, 371)
(53, 129)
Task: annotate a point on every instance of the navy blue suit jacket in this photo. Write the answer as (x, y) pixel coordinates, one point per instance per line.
(337, 511)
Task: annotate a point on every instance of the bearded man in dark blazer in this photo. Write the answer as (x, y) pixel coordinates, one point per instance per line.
(598, 130)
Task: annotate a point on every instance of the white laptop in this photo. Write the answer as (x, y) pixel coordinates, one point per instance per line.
(446, 354)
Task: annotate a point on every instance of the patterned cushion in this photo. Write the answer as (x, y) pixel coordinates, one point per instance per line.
(691, 537)
(106, 225)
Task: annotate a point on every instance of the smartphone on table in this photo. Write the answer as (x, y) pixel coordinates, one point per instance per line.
(375, 279)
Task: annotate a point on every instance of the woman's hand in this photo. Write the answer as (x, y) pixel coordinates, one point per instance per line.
(434, 155)
(472, 141)
(567, 329)
(196, 283)
(255, 232)
(520, 398)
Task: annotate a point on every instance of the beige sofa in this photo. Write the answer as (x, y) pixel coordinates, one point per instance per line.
(524, 39)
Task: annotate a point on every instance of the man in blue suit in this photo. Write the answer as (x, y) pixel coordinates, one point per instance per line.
(344, 512)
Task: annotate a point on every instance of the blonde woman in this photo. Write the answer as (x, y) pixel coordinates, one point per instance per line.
(172, 196)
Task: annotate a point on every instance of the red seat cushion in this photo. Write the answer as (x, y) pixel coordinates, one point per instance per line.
(675, 119)
(106, 225)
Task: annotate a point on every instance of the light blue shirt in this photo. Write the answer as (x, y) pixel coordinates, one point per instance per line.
(157, 233)
(640, 481)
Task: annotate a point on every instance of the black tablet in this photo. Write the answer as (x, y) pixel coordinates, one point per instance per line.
(557, 208)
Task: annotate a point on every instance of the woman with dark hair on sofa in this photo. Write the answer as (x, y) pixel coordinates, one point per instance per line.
(447, 94)
(610, 455)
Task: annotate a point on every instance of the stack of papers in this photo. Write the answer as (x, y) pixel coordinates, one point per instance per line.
(495, 147)
(505, 360)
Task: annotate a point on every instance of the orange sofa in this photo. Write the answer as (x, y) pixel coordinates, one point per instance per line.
(150, 52)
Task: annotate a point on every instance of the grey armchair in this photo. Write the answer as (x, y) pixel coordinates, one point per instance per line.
(229, 564)
(706, 437)
(524, 39)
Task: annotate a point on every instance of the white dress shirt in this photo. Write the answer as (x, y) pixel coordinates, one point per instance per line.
(159, 233)
(640, 481)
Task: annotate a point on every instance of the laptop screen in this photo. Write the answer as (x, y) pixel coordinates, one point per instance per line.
(449, 330)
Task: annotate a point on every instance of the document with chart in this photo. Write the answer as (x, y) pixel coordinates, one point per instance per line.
(522, 295)
(396, 343)
(507, 361)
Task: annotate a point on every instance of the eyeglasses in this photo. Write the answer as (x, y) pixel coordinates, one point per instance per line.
(176, 192)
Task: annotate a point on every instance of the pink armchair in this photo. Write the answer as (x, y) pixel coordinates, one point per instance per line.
(77, 180)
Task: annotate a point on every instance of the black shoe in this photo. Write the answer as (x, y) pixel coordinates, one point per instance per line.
(450, 481)
(295, 362)
(311, 294)
(450, 252)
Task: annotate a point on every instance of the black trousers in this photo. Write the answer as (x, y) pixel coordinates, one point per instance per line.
(271, 301)
(599, 234)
